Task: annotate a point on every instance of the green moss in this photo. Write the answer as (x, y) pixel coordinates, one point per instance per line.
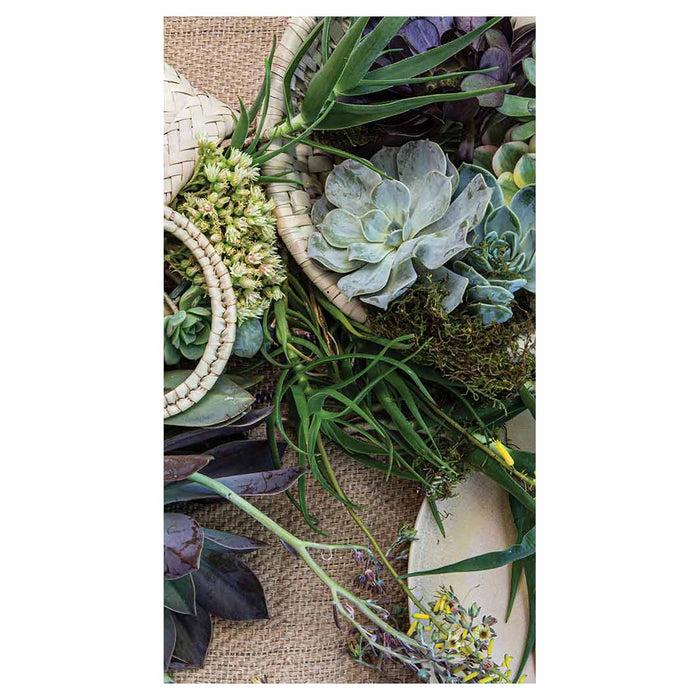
(490, 361)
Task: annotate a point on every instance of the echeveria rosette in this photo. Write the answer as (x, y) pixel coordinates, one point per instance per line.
(513, 163)
(382, 234)
(187, 330)
(501, 258)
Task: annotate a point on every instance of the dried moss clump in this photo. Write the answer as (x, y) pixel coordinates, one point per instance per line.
(491, 361)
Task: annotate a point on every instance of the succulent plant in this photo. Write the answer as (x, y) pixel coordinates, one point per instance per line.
(513, 164)
(187, 330)
(224, 202)
(457, 126)
(380, 233)
(522, 107)
(501, 257)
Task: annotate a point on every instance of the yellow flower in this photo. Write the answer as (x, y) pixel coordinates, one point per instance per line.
(482, 633)
(469, 677)
(506, 660)
(499, 447)
(488, 679)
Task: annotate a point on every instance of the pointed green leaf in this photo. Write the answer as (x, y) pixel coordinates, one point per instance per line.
(415, 65)
(324, 81)
(367, 52)
(343, 115)
(242, 125)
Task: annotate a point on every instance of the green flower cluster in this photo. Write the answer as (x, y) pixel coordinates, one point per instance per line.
(226, 205)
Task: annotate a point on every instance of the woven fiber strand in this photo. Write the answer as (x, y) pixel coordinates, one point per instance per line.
(300, 643)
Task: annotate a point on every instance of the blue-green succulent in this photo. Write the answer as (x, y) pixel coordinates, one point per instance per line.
(381, 233)
(501, 257)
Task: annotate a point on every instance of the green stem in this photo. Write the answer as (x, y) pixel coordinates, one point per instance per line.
(334, 481)
(301, 547)
(480, 445)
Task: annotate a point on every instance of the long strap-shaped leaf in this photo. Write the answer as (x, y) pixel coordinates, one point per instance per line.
(344, 115)
(482, 562)
(415, 65)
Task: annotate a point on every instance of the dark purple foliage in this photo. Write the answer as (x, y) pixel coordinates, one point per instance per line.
(183, 542)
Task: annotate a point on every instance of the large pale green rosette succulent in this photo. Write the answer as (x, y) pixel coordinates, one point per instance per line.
(382, 234)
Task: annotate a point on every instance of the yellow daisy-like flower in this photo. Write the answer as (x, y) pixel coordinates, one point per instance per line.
(482, 633)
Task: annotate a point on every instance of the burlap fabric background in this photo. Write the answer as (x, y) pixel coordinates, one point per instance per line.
(300, 643)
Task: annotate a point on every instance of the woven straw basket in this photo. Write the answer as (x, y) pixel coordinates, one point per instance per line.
(310, 166)
(189, 115)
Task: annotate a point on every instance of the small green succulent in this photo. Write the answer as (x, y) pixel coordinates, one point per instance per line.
(520, 107)
(513, 164)
(187, 330)
(501, 257)
(383, 233)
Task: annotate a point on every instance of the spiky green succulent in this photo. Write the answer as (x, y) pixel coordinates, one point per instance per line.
(224, 202)
(382, 234)
(501, 257)
(187, 330)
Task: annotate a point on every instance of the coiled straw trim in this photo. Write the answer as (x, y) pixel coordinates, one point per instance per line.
(190, 115)
(311, 166)
(223, 316)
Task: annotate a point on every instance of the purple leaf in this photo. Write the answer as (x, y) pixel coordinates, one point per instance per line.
(258, 484)
(168, 638)
(443, 24)
(228, 588)
(522, 43)
(226, 540)
(193, 634)
(184, 539)
(190, 438)
(179, 467)
(241, 457)
(480, 80)
(420, 35)
(500, 59)
(460, 111)
(468, 24)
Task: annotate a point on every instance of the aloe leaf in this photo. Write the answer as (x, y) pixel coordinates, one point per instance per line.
(326, 39)
(438, 518)
(400, 71)
(482, 562)
(266, 100)
(324, 81)
(179, 595)
(264, 92)
(293, 65)
(529, 567)
(242, 126)
(367, 52)
(344, 115)
(527, 398)
(415, 81)
(497, 473)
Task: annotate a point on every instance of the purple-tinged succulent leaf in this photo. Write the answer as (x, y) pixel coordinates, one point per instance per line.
(265, 483)
(420, 34)
(168, 638)
(478, 81)
(228, 588)
(178, 467)
(469, 24)
(193, 438)
(184, 539)
(460, 111)
(193, 634)
(498, 58)
(241, 457)
(179, 595)
(229, 541)
(522, 43)
(443, 24)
